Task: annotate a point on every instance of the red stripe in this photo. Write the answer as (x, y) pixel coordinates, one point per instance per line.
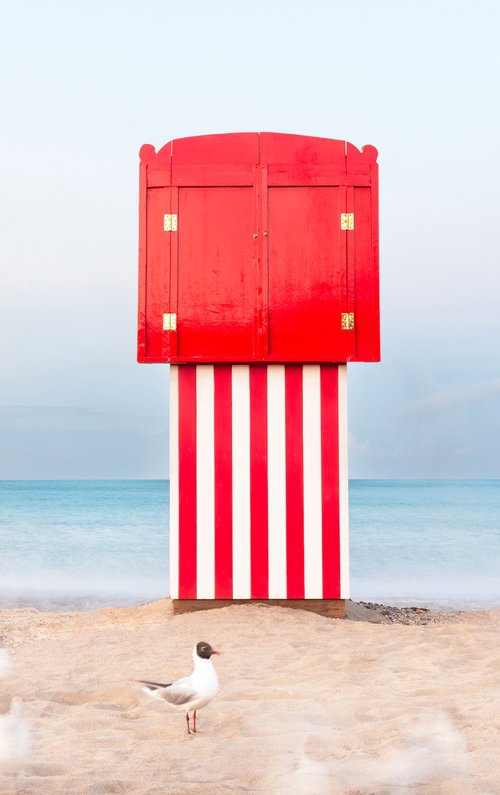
(330, 481)
(294, 482)
(187, 481)
(259, 561)
(223, 452)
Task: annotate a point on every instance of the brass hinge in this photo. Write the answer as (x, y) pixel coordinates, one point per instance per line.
(347, 321)
(169, 222)
(169, 322)
(347, 221)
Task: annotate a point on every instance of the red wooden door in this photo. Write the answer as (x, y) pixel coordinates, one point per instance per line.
(307, 267)
(214, 270)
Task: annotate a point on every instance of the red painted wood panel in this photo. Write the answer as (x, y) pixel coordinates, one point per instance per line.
(294, 482)
(363, 276)
(223, 466)
(216, 287)
(218, 148)
(330, 482)
(307, 274)
(306, 174)
(287, 148)
(259, 555)
(143, 227)
(187, 482)
(159, 176)
(157, 270)
(226, 175)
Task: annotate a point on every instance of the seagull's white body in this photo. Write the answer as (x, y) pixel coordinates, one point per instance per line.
(191, 692)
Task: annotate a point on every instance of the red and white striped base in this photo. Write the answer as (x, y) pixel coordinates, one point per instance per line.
(258, 482)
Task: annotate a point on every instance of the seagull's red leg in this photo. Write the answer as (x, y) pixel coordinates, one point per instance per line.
(194, 721)
(187, 721)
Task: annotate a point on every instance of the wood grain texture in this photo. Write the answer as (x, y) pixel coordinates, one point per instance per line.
(330, 608)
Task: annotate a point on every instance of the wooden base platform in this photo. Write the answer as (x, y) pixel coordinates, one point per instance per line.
(331, 608)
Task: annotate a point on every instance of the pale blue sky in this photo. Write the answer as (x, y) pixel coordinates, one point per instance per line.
(86, 83)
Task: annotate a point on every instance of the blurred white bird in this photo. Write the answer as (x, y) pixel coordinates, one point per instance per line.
(5, 664)
(192, 692)
(14, 739)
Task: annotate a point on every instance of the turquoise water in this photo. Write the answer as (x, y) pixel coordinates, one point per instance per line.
(426, 542)
(85, 544)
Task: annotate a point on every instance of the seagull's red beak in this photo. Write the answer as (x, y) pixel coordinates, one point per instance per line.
(218, 653)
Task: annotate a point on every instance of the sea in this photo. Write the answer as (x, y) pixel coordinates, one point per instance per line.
(82, 545)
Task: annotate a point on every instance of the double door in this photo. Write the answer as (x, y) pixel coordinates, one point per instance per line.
(254, 263)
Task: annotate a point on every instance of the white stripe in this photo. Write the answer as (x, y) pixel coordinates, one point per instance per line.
(174, 482)
(241, 480)
(343, 484)
(313, 533)
(205, 478)
(276, 478)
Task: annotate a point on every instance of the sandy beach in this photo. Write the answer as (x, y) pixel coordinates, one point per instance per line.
(307, 704)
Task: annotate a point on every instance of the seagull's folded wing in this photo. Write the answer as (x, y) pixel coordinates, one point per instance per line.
(179, 693)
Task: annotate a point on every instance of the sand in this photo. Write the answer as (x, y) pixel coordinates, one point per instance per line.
(307, 704)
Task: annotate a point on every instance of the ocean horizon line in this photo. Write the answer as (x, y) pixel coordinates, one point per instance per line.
(167, 479)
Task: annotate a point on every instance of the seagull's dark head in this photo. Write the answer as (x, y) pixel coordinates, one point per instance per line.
(204, 650)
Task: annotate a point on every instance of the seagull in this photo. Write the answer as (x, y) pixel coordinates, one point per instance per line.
(14, 741)
(191, 692)
(5, 664)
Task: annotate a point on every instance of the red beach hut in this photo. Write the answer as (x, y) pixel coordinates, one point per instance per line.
(258, 282)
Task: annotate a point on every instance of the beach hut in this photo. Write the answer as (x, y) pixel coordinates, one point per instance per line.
(258, 263)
